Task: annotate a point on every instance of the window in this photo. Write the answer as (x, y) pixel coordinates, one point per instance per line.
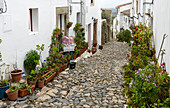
(33, 25)
(78, 17)
(137, 6)
(92, 3)
(61, 21)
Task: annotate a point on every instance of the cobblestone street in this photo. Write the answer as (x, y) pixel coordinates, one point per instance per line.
(95, 83)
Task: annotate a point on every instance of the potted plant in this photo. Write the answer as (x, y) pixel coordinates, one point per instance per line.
(16, 73)
(76, 52)
(72, 65)
(101, 47)
(94, 44)
(69, 24)
(4, 85)
(56, 31)
(64, 62)
(94, 50)
(40, 83)
(32, 78)
(68, 56)
(50, 76)
(12, 93)
(56, 70)
(25, 90)
(31, 61)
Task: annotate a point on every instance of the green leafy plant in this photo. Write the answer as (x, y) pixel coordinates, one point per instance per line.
(70, 23)
(4, 83)
(31, 61)
(56, 30)
(13, 89)
(32, 76)
(124, 36)
(23, 86)
(77, 51)
(40, 49)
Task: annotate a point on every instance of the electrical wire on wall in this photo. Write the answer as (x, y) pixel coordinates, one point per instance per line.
(2, 9)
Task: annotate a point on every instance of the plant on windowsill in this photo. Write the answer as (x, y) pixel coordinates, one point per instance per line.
(69, 24)
(12, 92)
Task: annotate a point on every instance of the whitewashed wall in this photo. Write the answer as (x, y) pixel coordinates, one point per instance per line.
(95, 12)
(120, 17)
(162, 26)
(73, 15)
(17, 38)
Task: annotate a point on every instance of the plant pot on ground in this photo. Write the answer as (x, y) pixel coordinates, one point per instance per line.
(25, 90)
(89, 50)
(32, 78)
(56, 69)
(72, 65)
(94, 50)
(101, 47)
(49, 77)
(16, 75)
(94, 44)
(40, 82)
(12, 93)
(4, 85)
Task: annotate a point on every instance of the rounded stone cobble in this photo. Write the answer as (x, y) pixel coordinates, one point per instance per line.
(95, 82)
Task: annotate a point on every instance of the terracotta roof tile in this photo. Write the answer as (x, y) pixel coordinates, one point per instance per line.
(124, 5)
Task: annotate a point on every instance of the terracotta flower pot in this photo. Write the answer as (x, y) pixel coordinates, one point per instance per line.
(89, 50)
(61, 68)
(16, 75)
(25, 92)
(74, 56)
(41, 84)
(101, 47)
(50, 78)
(68, 26)
(94, 51)
(12, 96)
(94, 44)
(32, 82)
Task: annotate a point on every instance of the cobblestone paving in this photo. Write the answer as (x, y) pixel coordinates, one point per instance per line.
(95, 83)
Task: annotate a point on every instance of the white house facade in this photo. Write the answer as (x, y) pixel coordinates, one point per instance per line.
(32, 23)
(123, 16)
(161, 26)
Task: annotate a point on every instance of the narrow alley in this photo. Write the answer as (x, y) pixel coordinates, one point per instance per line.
(96, 82)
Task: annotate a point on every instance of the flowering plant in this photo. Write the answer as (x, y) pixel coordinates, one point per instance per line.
(149, 85)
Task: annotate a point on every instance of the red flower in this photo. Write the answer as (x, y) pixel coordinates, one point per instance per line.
(164, 63)
(140, 38)
(145, 27)
(136, 28)
(139, 30)
(147, 38)
(127, 55)
(154, 51)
